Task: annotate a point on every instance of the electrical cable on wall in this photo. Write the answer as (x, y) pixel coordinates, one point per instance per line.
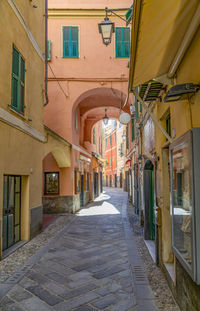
(58, 82)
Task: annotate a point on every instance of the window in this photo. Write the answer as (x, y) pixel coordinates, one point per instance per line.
(122, 41)
(51, 183)
(168, 124)
(88, 181)
(132, 130)
(127, 138)
(110, 162)
(77, 179)
(76, 120)
(70, 41)
(49, 50)
(110, 140)
(18, 81)
(94, 136)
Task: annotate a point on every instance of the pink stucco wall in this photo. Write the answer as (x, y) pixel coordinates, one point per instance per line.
(95, 73)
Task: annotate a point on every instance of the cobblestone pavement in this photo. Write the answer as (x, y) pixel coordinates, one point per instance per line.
(91, 264)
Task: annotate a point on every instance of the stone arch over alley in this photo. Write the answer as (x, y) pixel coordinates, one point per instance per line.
(92, 105)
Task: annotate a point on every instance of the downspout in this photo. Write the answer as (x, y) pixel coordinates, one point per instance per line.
(189, 35)
(46, 52)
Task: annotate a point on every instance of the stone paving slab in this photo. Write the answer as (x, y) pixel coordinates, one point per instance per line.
(88, 266)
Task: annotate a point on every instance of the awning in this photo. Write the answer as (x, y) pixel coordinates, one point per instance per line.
(158, 30)
(98, 157)
(150, 91)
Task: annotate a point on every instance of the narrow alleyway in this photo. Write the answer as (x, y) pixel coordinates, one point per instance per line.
(91, 264)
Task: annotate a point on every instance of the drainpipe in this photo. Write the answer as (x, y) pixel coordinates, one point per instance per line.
(189, 35)
(46, 52)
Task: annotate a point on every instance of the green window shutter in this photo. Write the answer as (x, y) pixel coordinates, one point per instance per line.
(136, 110)
(132, 130)
(22, 82)
(18, 82)
(15, 79)
(70, 41)
(49, 50)
(122, 42)
(127, 138)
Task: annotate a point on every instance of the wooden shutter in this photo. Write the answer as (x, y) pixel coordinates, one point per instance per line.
(118, 42)
(122, 41)
(127, 138)
(132, 130)
(74, 41)
(70, 41)
(15, 79)
(22, 84)
(18, 82)
(49, 50)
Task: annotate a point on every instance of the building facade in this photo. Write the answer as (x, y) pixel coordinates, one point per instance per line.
(80, 88)
(110, 155)
(21, 120)
(164, 156)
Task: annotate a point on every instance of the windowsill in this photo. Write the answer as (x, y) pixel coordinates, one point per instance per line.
(151, 248)
(123, 57)
(51, 194)
(170, 269)
(71, 57)
(13, 248)
(17, 113)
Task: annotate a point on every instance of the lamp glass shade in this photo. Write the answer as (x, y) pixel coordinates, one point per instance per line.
(124, 137)
(106, 28)
(105, 120)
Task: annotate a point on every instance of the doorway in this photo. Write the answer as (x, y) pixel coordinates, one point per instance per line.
(136, 190)
(11, 210)
(149, 214)
(110, 180)
(82, 191)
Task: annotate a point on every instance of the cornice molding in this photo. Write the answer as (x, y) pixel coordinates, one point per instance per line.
(79, 13)
(15, 122)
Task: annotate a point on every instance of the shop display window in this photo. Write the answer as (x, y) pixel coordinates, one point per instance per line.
(185, 199)
(51, 183)
(77, 181)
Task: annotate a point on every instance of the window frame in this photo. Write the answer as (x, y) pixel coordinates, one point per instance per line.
(70, 35)
(20, 78)
(45, 183)
(122, 43)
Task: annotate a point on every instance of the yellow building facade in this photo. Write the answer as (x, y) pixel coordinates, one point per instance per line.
(21, 120)
(165, 157)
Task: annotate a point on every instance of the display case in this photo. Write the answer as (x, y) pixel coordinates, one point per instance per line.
(185, 201)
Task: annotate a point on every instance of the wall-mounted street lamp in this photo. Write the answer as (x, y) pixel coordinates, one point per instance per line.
(181, 91)
(105, 118)
(106, 27)
(124, 137)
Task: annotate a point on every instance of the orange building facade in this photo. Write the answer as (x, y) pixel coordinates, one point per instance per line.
(84, 78)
